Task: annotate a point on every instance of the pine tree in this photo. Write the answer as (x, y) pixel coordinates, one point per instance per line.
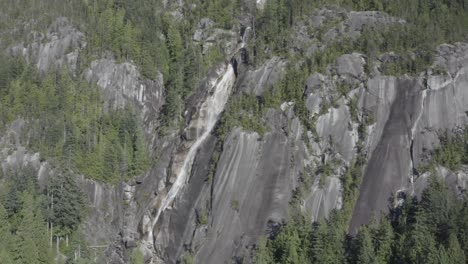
(5, 231)
(263, 254)
(365, 248)
(318, 237)
(383, 237)
(454, 251)
(26, 251)
(6, 257)
(41, 236)
(67, 204)
(419, 245)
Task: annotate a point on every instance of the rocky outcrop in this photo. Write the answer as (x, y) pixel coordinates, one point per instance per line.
(247, 196)
(416, 109)
(122, 84)
(262, 79)
(248, 193)
(330, 24)
(105, 202)
(214, 199)
(59, 47)
(355, 22)
(457, 181)
(203, 26)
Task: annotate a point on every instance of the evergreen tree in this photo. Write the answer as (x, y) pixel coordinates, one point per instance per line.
(5, 231)
(455, 253)
(365, 249)
(6, 257)
(65, 203)
(25, 250)
(383, 237)
(263, 254)
(318, 237)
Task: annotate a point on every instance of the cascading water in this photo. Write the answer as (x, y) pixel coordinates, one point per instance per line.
(208, 116)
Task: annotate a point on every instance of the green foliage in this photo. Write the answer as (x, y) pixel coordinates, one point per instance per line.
(354, 109)
(365, 249)
(221, 11)
(202, 216)
(244, 111)
(424, 231)
(453, 151)
(235, 205)
(65, 204)
(291, 89)
(188, 259)
(68, 123)
(137, 257)
(26, 230)
(263, 254)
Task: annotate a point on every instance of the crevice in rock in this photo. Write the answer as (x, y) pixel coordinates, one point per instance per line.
(414, 171)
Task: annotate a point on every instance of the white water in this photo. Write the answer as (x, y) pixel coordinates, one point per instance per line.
(413, 132)
(209, 114)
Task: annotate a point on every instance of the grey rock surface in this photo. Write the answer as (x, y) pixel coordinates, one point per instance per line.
(320, 200)
(402, 137)
(355, 22)
(204, 25)
(59, 47)
(105, 202)
(122, 84)
(337, 131)
(262, 79)
(247, 194)
(389, 167)
(457, 181)
(351, 65)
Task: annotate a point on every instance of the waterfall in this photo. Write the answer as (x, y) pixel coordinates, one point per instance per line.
(208, 116)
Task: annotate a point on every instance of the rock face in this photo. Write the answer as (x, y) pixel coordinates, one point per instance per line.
(214, 199)
(59, 47)
(203, 26)
(408, 129)
(122, 84)
(329, 24)
(251, 189)
(105, 202)
(389, 166)
(456, 180)
(248, 193)
(355, 22)
(262, 79)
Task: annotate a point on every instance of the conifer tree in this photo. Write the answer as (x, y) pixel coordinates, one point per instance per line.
(365, 248)
(25, 250)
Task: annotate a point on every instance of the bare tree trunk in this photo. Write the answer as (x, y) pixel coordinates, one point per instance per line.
(58, 246)
(51, 234)
(51, 223)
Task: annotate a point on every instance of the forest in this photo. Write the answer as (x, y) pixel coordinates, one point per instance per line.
(68, 125)
(431, 228)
